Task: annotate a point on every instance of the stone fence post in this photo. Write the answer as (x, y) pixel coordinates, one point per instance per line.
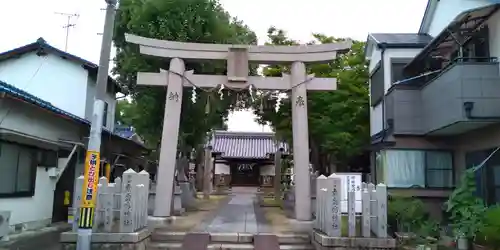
(329, 210)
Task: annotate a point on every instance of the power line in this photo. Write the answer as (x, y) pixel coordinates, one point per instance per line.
(68, 25)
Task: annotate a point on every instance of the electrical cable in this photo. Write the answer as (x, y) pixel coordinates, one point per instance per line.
(219, 87)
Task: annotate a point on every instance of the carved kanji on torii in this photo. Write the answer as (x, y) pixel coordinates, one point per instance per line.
(238, 58)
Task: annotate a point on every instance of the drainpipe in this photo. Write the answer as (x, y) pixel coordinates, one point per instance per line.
(469, 106)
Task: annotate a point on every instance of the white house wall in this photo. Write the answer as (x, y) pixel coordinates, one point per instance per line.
(89, 104)
(447, 10)
(374, 59)
(35, 211)
(376, 119)
(51, 78)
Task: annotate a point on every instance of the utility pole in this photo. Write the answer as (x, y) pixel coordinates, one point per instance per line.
(92, 159)
(67, 26)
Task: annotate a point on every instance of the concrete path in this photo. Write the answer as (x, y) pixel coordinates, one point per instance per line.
(238, 215)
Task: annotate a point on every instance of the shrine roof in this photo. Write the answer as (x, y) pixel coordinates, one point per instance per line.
(245, 145)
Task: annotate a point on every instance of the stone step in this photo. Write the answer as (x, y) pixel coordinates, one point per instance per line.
(223, 246)
(166, 236)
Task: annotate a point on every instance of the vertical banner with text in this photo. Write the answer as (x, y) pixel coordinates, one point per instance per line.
(91, 179)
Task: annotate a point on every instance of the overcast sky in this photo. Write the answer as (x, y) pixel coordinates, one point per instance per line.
(22, 22)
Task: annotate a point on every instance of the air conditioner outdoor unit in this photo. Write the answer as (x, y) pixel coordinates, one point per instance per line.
(4, 224)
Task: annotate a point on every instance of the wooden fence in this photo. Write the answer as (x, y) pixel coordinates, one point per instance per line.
(121, 206)
(368, 214)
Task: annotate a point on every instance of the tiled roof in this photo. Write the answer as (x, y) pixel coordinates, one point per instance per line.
(41, 46)
(29, 98)
(245, 145)
(402, 39)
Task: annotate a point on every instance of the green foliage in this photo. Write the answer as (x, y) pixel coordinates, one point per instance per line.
(338, 120)
(489, 234)
(410, 216)
(428, 228)
(201, 21)
(407, 213)
(466, 209)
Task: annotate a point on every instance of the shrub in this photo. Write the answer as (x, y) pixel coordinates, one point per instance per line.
(489, 234)
(406, 213)
(465, 208)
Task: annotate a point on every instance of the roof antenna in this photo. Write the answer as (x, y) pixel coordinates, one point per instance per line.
(67, 26)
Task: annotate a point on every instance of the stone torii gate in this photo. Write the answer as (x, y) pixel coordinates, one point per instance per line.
(238, 58)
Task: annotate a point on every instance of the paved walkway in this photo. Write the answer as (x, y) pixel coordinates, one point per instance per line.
(241, 214)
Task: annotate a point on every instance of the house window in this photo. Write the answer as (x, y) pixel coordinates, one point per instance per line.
(415, 168)
(47, 158)
(397, 69)
(18, 165)
(105, 115)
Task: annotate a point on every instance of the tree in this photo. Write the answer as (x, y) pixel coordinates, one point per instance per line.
(125, 112)
(201, 21)
(338, 120)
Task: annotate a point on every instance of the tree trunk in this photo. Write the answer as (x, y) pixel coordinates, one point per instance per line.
(315, 157)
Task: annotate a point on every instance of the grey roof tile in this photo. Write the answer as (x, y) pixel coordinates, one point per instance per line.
(245, 145)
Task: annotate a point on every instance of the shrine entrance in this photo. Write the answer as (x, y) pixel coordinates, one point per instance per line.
(244, 174)
(238, 58)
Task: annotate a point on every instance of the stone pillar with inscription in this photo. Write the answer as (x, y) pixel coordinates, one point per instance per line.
(127, 202)
(366, 203)
(335, 188)
(170, 134)
(77, 198)
(381, 194)
(351, 206)
(300, 142)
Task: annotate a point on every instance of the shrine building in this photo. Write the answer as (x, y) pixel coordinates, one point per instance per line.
(245, 158)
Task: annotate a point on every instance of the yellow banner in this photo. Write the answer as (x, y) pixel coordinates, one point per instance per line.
(91, 179)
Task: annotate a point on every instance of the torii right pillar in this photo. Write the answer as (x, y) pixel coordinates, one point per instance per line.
(300, 142)
(300, 83)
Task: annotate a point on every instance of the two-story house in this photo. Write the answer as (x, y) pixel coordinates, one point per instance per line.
(435, 98)
(46, 102)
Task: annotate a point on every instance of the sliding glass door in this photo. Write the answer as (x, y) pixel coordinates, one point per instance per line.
(487, 177)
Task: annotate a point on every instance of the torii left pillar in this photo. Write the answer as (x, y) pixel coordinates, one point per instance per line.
(169, 138)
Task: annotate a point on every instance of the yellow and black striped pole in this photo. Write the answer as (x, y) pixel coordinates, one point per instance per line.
(89, 190)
